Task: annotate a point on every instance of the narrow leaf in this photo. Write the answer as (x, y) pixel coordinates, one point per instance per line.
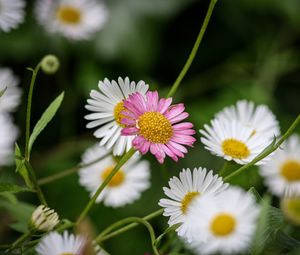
(12, 188)
(21, 169)
(45, 119)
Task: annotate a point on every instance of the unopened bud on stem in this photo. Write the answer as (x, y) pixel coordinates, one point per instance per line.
(50, 64)
(43, 219)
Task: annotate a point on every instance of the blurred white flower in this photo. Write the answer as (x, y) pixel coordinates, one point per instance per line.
(107, 105)
(8, 137)
(183, 191)
(58, 244)
(11, 14)
(43, 219)
(282, 174)
(125, 187)
(223, 224)
(259, 118)
(290, 208)
(12, 95)
(73, 19)
(232, 140)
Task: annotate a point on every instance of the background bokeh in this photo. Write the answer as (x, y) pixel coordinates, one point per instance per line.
(250, 50)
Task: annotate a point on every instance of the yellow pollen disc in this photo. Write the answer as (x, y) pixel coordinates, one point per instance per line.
(155, 127)
(223, 224)
(69, 15)
(291, 209)
(290, 170)
(235, 149)
(117, 113)
(187, 200)
(118, 178)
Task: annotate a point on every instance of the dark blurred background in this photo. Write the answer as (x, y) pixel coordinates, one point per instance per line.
(250, 51)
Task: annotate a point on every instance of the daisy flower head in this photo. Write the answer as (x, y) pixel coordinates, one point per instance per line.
(127, 184)
(73, 19)
(58, 244)
(107, 106)
(12, 95)
(224, 224)
(43, 219)
(232, 140)
(183, 191)
(8, 136)
(11, 14)
(156, 126)
(282, 174)
(259, 118)
(290, 207)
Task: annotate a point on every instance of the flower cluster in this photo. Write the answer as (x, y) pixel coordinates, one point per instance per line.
(213, 217)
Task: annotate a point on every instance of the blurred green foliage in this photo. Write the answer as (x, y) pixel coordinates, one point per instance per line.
(251, 50)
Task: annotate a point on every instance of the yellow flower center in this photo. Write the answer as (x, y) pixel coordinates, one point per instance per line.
(117, 113)
(235, 148)
(223, 224)
(290, 170)
(118, 178)
(155, 127)
(291, 209)
(187, 200)
(69, 15)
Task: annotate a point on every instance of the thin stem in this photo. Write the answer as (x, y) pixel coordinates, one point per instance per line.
(136, 220)
(267, 152)
(169, 229)
(104, 234)
(68, 171)
(122, 161)
(20, 240)
(35, 183)
(194, 50)
(28, 111)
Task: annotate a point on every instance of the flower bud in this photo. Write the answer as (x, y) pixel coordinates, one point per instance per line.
(50, 64)
(43, 219)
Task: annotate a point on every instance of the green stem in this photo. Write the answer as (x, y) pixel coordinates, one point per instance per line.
(169, 229)
(35, 183)
(104, 234)
(28, 111)
(20, 240)
(136, 220)
(122, 161)
(194, 50)
(68, 171)
(267, 151)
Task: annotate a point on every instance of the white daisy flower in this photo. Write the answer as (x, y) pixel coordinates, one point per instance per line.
(282, 174)
(12, 95)
(224, 224)
(57, 244)
(73, 19)
(259, 118)
(183, 191)
(107, 105)
(8, 137)
(11, 14)
(124, 188)
(232, 140)
(290, 208)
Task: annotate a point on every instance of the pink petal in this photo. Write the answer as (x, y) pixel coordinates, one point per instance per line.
(183, 139)
(152, 101)
(180, 117)
(185, 132)
(164, 104)
(170, 153)
(129, 131)
(128, 122)
(174, 111)
(183, 125)
(174, 150)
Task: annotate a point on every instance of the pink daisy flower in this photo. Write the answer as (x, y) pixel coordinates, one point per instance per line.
(156, 126)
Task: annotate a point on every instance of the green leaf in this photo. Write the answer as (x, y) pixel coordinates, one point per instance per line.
(270, 221)
(2, 91)
(255, 193)
(45, 119)
(12, 188)
(21, 212)
(9, 197)
(21, 169)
